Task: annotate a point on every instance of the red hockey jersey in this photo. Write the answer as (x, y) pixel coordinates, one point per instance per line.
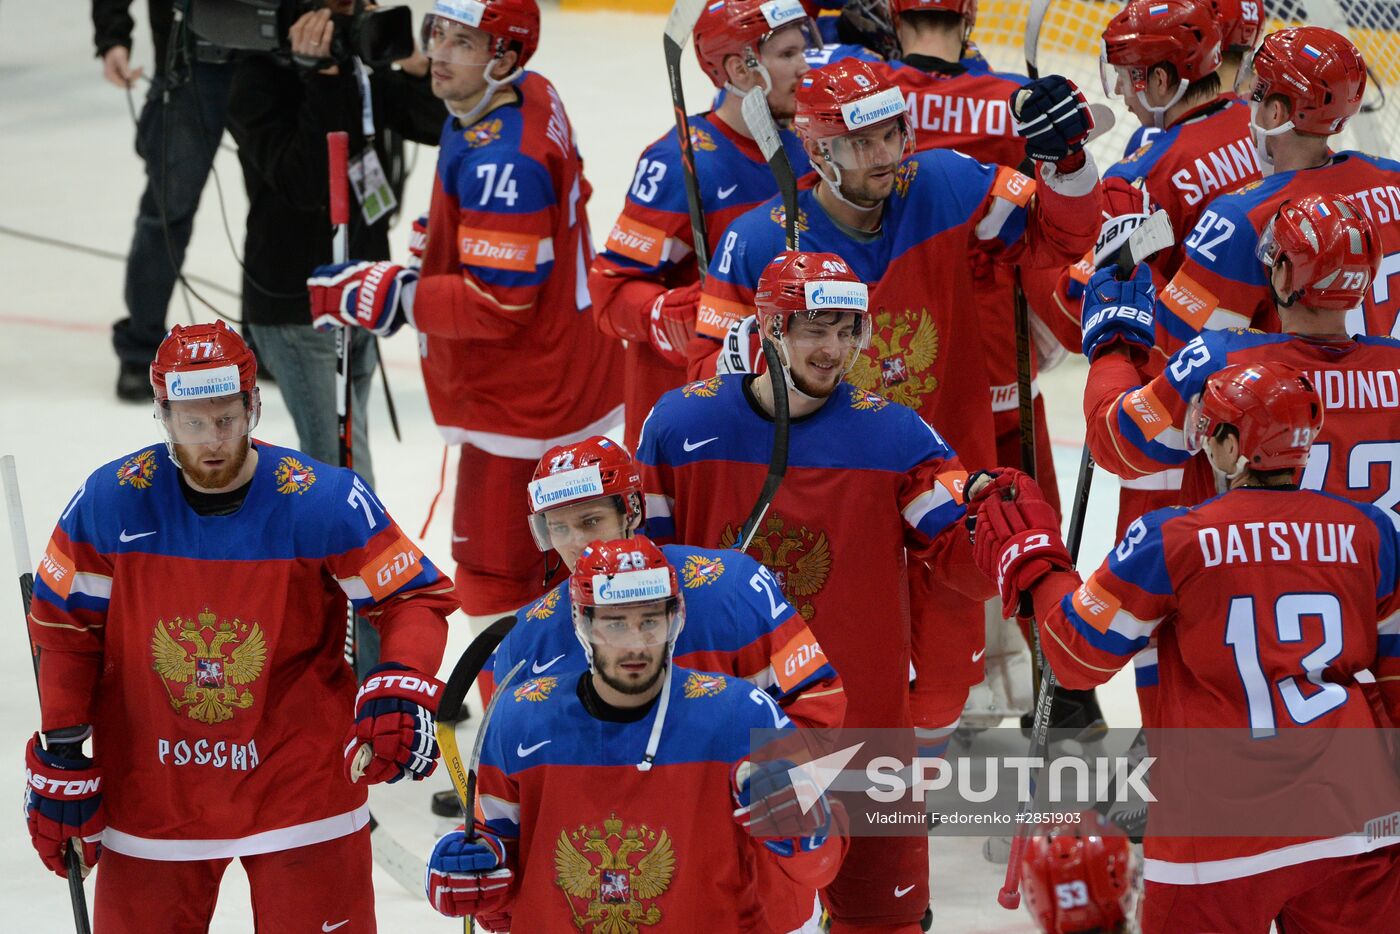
(503, 299)
(866, 478)
(598, 844)
(652, 248)
(1265, 605)
(1222, 284)
(206, 651)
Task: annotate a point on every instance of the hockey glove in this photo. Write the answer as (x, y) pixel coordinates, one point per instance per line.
(375, 296)
(1118, 311)
(1053, 117)
(673, 322)
(394, 718)
(743, 349)
(418, 240)
(1017, 534)
(468, 877)
(770, 799)
(1126, 208)
(62, 801)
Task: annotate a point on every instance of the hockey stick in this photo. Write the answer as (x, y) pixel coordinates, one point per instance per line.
(765, 132)
(464, 779)
(19, 538)
(678, 28)
(1151, 236)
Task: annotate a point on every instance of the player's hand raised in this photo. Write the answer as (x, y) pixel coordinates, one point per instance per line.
(673, 322)
(468, 877)
(375, 296)
(63, 806)
(1115, 310)
(1016, 540)
(393, 735)
(1053, 117)
(743, 349)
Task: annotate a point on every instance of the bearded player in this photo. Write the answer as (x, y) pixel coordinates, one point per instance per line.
(631, 758)
(189, 615)
(870, 488)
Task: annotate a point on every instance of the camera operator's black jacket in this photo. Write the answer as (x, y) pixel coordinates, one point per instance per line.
(112, 25)
(279, 115)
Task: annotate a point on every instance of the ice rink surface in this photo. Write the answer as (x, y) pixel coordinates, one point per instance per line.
(68, 172)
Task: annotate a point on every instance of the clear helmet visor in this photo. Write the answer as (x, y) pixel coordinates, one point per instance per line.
(209, 421)
(882, 145)
(1268, 250)
(455, 43)
(600, 518)
(1196, 429)
(1117, 80)
(630, 626)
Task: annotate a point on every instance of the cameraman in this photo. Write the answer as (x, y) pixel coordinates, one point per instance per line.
(177, 136)
(279, 112)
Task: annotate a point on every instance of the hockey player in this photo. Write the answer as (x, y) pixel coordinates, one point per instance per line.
(500, 297)
(1308, 82)
(1316, 604)
(866, 479)
(624, 790)
(189, 615)
(644, 284)
(1322, 255)
(1078, 877)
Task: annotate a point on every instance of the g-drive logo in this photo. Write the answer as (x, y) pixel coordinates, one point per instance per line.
(632, 586)
(463, 11)
(862, 113)
(583, 483)
(779, 12)
(823, 295)
(203, 384)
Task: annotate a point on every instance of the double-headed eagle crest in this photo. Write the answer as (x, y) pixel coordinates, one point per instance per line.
(902, 350)
(615, 873)
(210, 679)
(799, 557)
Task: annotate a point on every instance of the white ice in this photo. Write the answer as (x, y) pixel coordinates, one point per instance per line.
(68, 171)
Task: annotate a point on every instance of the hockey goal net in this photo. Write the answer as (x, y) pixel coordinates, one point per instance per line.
(1069, 45)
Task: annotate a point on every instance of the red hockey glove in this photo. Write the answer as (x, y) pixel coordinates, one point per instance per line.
(62, 802)
(418, 240)
(1016, 539)
(375, 296)
(1053, 117)
(770, 806)
(673, 322)
(743, 349)
(468, 878)
(394, 721)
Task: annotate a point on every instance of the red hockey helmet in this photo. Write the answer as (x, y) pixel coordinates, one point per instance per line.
(733, 27)
(1318, 71)
(1185, 34)
(1332, 249)
(1089, 859)
(795, 282)
(574, 473)
(202, 361)
(1242, 23)
(625, 572)
(1273, 406)
(966, 8)
(506, 21)
(843, 97)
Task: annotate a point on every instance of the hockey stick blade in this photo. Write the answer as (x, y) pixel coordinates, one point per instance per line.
(759, 120)
(390, 855)
(1153, 236)
(1104, 120)
(681, 21)
(1034, 19)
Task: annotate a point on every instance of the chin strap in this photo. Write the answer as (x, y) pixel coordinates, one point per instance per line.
(1159, 114)
(654, 740)
(470, 116)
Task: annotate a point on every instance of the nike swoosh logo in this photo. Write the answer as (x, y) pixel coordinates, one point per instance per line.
(327, 926)
(523, 751)
(699, 444)
(537, 668)
(977, 656)
(900, 893)
(726, 192)
(460, 538)
(131, 538)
